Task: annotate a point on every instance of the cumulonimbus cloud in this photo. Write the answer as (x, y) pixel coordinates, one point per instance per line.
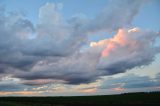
(50, 50)
(126, 50)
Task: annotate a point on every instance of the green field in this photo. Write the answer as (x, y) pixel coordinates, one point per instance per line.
(134, 99)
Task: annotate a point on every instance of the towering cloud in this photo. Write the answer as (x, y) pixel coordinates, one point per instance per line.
(50, 51)
(54, 35)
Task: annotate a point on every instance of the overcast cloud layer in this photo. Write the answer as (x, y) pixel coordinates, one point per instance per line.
(50, 51)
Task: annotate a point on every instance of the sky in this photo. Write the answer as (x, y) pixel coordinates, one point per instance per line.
(79, 47)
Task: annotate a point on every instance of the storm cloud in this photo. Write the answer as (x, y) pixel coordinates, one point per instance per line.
(51, 50)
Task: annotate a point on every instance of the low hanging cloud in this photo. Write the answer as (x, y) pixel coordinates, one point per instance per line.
(131, 81)
(50, 51)
(78, 68)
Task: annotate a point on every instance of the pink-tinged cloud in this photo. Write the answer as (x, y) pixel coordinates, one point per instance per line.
(129, 48)
(55, 51)
(118, 89)
(119, 40)
(90, 90)
(28, 93)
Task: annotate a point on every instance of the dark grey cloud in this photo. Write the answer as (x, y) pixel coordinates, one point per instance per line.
(14, 29)
(75, 69)
(51, 49)
(134, 50)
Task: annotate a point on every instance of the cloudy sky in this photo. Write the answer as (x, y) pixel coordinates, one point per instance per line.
(79, 47)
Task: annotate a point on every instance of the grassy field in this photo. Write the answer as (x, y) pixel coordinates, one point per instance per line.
(134, 99)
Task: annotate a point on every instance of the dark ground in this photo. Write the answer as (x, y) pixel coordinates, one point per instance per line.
(129, 99)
